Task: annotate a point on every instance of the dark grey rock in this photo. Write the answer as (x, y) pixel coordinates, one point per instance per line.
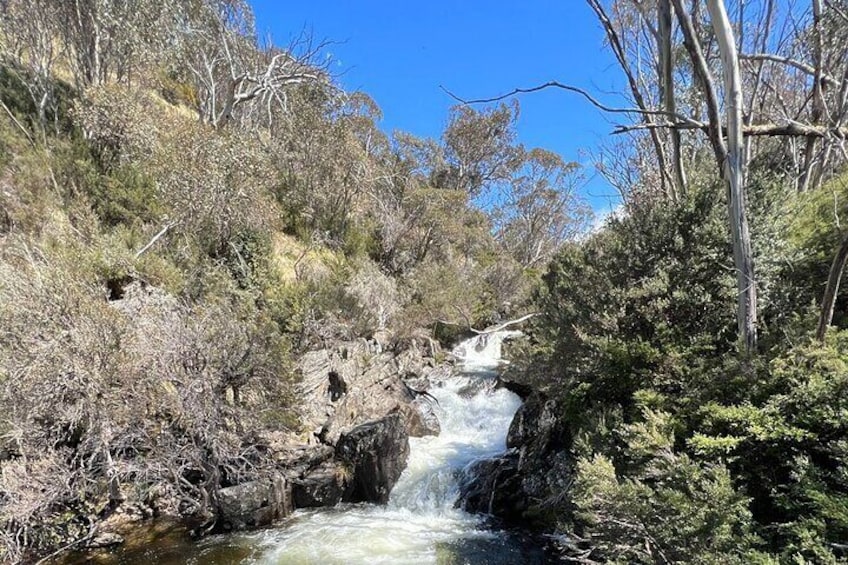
(376, 455)
(521, 390)
(254, 504)
(494, 487)
(322, 486)
(523, 486)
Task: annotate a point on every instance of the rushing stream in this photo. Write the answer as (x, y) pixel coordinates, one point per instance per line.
(420, 524)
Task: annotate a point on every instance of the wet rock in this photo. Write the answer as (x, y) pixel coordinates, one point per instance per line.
(536, 428)
(376, 454)
(424, 422)
(322, 486)
(526, 485)
(523, 391)
(494, 487)
(254, 504)
(106, 539)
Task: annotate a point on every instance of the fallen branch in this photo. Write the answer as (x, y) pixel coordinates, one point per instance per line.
(506, 324)
(156, 237)
(18, 123)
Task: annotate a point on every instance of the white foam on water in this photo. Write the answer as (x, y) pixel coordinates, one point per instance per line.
(474, 420)
(483, 351)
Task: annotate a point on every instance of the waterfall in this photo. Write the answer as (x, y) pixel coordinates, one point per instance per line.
(483, 351)
(420, 521)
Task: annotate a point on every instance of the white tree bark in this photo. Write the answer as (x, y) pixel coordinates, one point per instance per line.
(733, 172)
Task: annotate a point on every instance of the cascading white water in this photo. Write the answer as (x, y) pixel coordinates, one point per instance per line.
(420, 516)
(483, 352)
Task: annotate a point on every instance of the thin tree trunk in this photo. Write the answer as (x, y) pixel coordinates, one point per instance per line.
(733, 172)
(703, 77)
(667, 90)
(832, 289)
(755, 103)
(810, 175)
(638, 98)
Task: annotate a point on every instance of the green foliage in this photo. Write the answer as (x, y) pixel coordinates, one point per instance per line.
(789, 447)
(639, 305)
(121, 196)
(19, 100)
(684, 447)
(669, 509)
(246, 256)
(812, 238)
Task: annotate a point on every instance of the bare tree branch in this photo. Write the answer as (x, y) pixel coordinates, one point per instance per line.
(156, 237)
(799, 65)
(789, 129)
(592, 100)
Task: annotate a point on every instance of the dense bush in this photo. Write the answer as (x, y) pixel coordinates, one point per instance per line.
(685, 451)
(107, 401)
(668, 509)
(639, 305)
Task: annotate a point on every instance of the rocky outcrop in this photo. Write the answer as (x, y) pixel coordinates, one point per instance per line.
(522, 485)
(360, 404)
(254, 504)
(358, 382)
(365, 465)
(376, 455)
(324, 485)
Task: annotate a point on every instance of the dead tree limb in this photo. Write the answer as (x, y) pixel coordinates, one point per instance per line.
(788, 129)
(795, 64)
(577, 90)
(156, 238)
(505, 325)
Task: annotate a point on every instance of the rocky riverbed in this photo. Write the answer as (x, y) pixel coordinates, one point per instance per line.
(398, 487)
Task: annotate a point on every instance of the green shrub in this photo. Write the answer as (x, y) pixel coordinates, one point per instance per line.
(641, 305)
(789, 447)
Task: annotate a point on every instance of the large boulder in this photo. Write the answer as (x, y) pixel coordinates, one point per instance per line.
(522, 485)
(254, 504)
(493, 487)
(376, 454)
(359, 381)
(322, 486)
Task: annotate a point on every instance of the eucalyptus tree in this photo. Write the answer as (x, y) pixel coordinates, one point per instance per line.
(540, 209)
(29, 50)
(234, 75)
(479, 148)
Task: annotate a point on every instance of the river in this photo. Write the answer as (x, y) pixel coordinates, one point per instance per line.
(420, 524)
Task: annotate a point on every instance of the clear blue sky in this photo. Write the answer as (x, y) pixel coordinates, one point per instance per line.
(399, 52)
